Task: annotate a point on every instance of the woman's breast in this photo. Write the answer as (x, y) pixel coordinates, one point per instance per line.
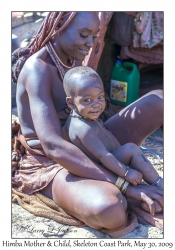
(59, 100)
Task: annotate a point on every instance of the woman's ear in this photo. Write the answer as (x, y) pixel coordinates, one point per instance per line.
(70, 102)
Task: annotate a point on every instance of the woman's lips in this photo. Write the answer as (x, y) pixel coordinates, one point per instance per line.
(84, 52)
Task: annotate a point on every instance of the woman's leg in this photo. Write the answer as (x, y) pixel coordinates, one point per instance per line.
(135, 122)
(97, 203)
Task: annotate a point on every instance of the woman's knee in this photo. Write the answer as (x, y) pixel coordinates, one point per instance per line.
(155, 98)
(157, 92)
(109, 214)
(151, 106)
(98, 204)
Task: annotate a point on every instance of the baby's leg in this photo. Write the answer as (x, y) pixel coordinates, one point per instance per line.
(131, 154)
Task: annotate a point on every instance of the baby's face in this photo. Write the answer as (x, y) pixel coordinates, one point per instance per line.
(90, 99)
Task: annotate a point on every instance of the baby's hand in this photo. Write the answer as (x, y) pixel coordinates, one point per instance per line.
(134, 177)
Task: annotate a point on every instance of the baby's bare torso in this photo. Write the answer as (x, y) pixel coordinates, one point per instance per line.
(74, 125)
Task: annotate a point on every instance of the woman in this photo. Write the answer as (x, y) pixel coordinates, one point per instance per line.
(55, 167)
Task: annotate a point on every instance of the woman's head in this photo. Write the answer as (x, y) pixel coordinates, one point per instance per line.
(66, 25)
(78, 37)
(85, 92)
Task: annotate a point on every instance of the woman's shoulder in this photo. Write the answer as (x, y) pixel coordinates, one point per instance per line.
(36, 71)
(36, 64)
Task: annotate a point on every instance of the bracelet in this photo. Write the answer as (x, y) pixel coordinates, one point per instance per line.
(125, 186)
(155, 184)
(127, 170)
(119, 182)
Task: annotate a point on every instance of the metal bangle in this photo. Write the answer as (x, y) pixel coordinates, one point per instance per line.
(125, 186)
(119, 182)
(127, 170)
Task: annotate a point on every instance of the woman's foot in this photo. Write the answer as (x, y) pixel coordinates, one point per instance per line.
(158, 209)
(145, 206)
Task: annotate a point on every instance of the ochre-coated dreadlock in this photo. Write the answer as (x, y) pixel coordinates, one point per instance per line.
(54, 23)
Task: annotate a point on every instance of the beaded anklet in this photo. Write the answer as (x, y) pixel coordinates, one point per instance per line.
(155, 184)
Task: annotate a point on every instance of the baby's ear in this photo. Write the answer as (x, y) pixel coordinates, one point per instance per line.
(70, 102)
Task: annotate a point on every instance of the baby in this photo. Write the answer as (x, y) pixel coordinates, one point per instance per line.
(86, 98)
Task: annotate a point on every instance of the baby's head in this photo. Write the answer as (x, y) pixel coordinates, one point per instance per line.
(85, 92)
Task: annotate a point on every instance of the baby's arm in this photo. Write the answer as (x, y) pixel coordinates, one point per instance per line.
(90, 140)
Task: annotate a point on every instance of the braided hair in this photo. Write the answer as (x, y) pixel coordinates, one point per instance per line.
(54, 23)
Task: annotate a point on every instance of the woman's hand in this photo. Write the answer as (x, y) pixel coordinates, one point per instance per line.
(146, 193)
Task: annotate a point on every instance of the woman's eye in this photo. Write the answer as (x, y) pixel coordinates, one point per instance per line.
(96, 35)
(83, 36)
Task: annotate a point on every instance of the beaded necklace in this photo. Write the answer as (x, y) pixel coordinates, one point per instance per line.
(72, 62)
(58, 63)
(76, 115)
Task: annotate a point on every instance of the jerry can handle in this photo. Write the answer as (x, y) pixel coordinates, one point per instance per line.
(130, 65)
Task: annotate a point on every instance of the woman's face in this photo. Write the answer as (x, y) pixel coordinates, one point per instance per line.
(79, 36)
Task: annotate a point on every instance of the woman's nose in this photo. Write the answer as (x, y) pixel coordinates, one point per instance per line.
(90, 42)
